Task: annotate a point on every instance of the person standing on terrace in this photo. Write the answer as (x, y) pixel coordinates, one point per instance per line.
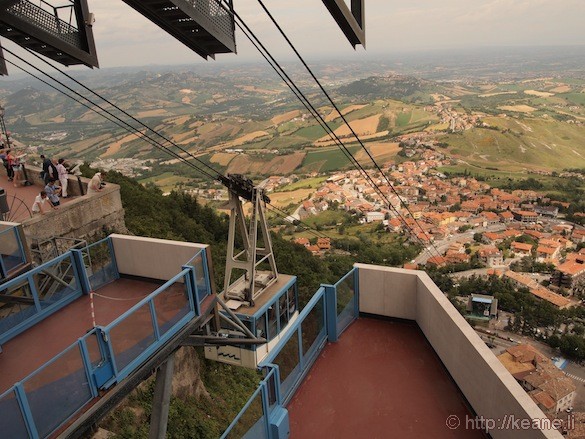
(49, 169)
(62, 171)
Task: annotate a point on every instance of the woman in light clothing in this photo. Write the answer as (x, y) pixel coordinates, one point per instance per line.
(95, 184)
(62, 173)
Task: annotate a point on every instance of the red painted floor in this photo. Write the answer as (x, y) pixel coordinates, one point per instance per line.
(21, 199)
(28, 351)
(381, 380)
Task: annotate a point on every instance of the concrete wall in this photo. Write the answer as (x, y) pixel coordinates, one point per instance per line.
(152, 258)
(80, 218)
(487, 385)
(73, 186)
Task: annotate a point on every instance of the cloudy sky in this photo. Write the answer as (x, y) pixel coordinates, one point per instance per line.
(126, 38)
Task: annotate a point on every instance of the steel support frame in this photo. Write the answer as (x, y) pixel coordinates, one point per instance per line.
(162, 399)
(351, 22)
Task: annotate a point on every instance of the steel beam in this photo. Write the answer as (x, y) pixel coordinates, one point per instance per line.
(351, 22)
(161, 403)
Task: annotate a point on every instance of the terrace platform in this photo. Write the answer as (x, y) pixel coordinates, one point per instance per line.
(30, 350)
(393, 385)
(27, 194)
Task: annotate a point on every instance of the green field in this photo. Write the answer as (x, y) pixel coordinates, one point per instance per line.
(327, 160)
(309, 183)
(521, 144)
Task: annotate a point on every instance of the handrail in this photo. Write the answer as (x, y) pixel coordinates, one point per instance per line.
(147, 299)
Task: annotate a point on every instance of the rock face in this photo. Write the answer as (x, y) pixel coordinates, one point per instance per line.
(186, 379)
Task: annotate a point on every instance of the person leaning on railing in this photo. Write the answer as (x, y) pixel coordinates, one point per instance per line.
(95, 184)
(42, 204)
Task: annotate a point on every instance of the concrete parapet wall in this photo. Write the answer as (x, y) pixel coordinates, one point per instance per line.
(487, 385)
(82, 217)
(152, 258)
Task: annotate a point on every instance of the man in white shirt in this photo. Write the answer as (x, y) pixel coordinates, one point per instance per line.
(42, 204)
(62, 172)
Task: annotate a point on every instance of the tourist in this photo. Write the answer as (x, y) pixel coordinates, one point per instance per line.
(18, 169)
(42, 204)
(53, 192)
(62, 171)
(95, 184)
(8, 159)
(49, 170)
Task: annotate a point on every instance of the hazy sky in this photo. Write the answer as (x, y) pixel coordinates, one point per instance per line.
(126, 38)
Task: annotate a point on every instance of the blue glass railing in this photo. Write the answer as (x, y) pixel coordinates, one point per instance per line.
(47, 398)
(100, 261)
(201, 272)
(329, 312)
(38, 293)
(12, 255)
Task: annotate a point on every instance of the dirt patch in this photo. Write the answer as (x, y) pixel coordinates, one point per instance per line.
(282, 199)
(58, 119)
(334, 114)
(248, 138)
(277, 120)
(362, 127)
(487, 95)
(152, 113)
(222, 158)
(115, 147)
(382, 152)
(540, 94)
(330, 142)
(561, 89)
(518, 108)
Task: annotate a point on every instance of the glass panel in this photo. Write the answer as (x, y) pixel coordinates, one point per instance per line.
(202, 287)
(288, 362)
(252, 424)
(12, 314)
(345, 292)
(292, 301)
(55, 282)
(10, 251)
(171, 305)
(93, 348)
(101, 268)
(312, 326)
(132, 336)
(345, 302)
(271, 387)
(272, 329)
(11, 420)
(261, 326)
(57, 391)
(283, 311)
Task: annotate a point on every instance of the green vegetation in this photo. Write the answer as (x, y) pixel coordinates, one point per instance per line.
(305, 183)
(327, 160)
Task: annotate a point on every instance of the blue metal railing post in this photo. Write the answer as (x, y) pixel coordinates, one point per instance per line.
(88, 367)
(265, 407)
(79, 267)
(192, 290)
(356, 289)
(26, 412)
(331, 312)
(155, 328)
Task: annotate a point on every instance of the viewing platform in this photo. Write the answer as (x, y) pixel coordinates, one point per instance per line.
(79, 215)
(75, 327)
